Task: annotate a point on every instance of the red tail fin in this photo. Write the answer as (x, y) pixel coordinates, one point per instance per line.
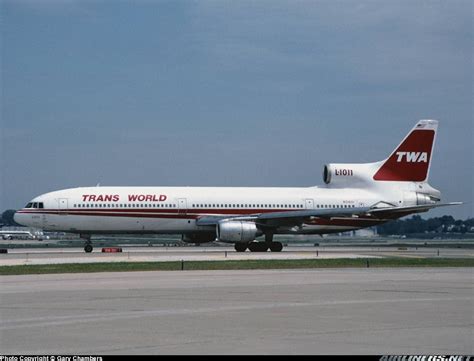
(410, 161)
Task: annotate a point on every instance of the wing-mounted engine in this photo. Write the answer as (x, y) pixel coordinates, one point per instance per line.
(237, 231)
(340, 175)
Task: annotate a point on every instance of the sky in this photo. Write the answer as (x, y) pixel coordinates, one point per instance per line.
(229, 93)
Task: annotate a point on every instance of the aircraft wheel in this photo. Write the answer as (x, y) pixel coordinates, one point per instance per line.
(88, 248)
(276, 247)
(240, 247)
(258, 247)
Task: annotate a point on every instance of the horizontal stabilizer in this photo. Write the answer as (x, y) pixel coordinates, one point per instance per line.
(418, 208)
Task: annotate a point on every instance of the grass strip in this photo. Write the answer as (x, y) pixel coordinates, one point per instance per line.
(235, 265)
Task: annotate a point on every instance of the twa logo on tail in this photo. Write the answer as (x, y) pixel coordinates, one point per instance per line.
(410, 161)
(412, 157)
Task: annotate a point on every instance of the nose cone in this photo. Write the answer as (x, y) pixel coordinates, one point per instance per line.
(19, 218)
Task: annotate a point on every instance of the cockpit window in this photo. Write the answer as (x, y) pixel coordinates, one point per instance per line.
(35, 205)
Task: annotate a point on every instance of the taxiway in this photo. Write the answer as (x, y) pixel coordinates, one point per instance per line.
(28, 256)
(346, 311)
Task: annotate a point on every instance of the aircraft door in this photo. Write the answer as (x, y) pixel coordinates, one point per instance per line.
(63, 206)
(182, 206)
(45, 221)
(309, 203)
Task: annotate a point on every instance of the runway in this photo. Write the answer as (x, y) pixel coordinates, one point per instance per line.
(29, 256)
(346, 311)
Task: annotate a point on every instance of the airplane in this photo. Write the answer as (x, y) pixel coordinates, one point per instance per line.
(353, 196)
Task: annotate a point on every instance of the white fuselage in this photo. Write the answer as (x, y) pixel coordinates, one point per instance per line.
(176, 209)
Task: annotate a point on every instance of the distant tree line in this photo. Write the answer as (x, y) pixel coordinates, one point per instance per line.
(7, 218)
(416, 224)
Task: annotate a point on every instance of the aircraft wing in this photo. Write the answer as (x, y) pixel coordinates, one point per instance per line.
(292, 218)
(284, 218)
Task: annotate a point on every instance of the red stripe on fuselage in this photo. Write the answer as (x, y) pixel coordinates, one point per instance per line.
(213, 211)
(196, 213)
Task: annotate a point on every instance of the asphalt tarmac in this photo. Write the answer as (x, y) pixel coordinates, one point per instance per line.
(317, 311)
(28, 256)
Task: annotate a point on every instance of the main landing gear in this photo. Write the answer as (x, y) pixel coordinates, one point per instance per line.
(88, 244)
(260, 246)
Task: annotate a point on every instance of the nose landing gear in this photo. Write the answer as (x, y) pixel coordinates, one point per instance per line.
(88, 244)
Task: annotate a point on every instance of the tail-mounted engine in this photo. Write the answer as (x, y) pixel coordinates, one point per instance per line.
(348, 175)
(417, 198)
